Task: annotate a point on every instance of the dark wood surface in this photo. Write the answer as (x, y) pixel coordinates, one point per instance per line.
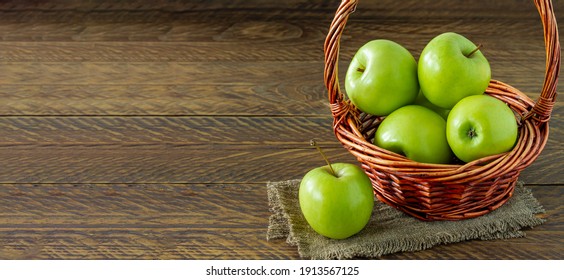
(149, 129)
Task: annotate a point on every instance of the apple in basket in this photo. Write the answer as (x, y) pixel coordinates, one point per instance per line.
(382, 77)
(337, 199)
(416, 132)
(422, 100)
(480, 126)
(450, 68)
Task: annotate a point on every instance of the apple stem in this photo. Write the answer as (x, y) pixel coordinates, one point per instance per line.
(360, 70)
(474, 51)
(312, 142)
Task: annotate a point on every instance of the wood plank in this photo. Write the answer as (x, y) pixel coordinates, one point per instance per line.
(148, 221)
(180, 206)
(169, 164)
(141, 26)
(158, 73)
(266, 39)
(191, 164)
(139, 244)
(182, 51)
(37, 88)
(293, 8)
(162, 66)
(276, 98)
(509, 63)
(192, 149)
(158, 26)
(487, 250)
(297, 49)
(275, 132)
(282, 132)
(135, 243)
(159, 221)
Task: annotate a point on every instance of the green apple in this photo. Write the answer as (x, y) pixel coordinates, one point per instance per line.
(416, 132)
(480, 126)
(336, 205)
(422, 100)
(450, 68)
(382, 77)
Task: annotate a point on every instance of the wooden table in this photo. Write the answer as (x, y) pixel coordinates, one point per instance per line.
(149, 129)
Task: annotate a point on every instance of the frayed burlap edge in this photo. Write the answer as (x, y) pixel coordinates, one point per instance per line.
(390, 231)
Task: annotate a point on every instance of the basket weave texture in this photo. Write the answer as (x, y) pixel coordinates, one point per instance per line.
(440, 191)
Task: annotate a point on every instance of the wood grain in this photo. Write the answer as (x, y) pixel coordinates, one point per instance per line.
(117, 221)
(284, 132)
(154, 221)
(265, 99)
(191, 164)
(149, 129)
(194, 149)
(281, 132)
(165, 100)
(141, 205)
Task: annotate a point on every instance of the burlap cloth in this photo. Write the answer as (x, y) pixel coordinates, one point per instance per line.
(390, 230)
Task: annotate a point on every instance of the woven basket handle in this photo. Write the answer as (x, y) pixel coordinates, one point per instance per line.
(331, 49)
(542, 108)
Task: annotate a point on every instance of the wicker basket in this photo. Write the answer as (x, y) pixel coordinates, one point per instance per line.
(438, 191)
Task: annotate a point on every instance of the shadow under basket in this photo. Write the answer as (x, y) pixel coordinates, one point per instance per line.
(445, 191)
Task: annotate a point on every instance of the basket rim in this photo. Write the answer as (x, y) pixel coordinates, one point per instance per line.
(531, 140)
